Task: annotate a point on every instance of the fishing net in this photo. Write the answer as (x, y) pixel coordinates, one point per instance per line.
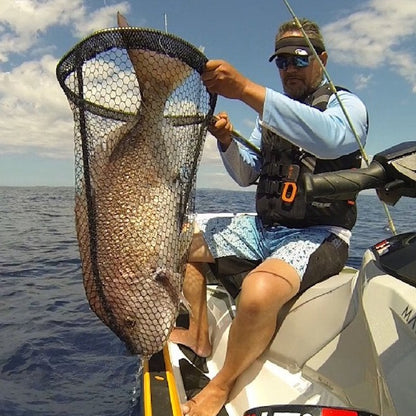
(141, 115)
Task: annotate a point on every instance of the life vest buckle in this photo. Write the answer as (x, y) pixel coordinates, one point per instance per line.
(289, 192)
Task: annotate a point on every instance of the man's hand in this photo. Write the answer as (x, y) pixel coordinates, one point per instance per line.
(221, 129)
(221, 78)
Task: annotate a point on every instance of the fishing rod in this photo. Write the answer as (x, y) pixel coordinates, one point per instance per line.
(331, 84)
(344, 110)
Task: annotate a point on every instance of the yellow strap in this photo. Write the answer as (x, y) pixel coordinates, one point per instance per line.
(173, 392)
(147, 394)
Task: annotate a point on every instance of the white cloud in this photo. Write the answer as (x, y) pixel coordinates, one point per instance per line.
(405, 66)
(210, 153)
(375, 35)
(249, 123)
(362, 81)
(211, 173)
(35, 114)
(103, 17)
(23, 21)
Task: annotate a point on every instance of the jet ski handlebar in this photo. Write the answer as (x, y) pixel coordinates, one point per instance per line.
(392, 173)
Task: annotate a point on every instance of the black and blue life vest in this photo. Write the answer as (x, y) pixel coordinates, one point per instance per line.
(279, 197)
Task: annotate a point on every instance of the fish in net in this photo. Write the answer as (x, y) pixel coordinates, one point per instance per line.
(141, 114)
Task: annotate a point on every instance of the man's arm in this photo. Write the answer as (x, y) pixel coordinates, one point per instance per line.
(222, 78)
(325, 134)
(242, 163)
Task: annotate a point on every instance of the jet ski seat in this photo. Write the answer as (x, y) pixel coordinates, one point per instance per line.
(314, 318)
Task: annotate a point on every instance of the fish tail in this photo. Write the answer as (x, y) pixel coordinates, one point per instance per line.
(156, 83)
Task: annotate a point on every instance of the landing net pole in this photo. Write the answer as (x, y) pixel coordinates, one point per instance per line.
(344, 110)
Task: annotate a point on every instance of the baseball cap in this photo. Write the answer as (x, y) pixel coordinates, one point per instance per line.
(296, 45)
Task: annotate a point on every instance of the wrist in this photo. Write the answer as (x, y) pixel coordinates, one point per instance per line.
(224, 144)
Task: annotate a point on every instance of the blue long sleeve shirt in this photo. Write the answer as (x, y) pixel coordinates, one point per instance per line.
(325, 134)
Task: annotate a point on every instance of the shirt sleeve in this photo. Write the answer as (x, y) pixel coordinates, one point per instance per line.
(326, 134)
(242, 163)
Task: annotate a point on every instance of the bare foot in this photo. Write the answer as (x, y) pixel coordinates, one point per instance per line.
(208, 402)
(199, 345)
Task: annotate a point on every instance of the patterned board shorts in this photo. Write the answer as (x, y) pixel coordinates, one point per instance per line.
(245, 237)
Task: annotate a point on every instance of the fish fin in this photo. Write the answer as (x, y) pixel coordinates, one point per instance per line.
(186, 303)
(161, 274)
(121, 20)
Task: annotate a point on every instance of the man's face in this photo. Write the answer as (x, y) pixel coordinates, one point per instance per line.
(300, 82)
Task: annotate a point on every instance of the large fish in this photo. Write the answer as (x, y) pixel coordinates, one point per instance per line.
(134, 253)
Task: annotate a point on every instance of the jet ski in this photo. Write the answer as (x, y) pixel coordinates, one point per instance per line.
(344, 347)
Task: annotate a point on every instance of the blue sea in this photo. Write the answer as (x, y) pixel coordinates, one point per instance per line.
(56, 357)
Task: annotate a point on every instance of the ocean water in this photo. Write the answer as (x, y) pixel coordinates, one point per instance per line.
(56, 357)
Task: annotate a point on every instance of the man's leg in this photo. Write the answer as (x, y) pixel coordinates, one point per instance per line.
(264, 291)
(194, 290)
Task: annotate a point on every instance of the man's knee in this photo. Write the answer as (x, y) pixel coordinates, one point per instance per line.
(272, 282)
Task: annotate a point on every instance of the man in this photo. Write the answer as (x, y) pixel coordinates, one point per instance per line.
(297, 244)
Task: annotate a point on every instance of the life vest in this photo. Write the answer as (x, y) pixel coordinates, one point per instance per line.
(280, 194)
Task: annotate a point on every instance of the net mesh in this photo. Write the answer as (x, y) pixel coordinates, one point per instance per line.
(141, 114)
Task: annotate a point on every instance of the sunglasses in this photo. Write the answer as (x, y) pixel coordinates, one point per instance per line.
(283, 62)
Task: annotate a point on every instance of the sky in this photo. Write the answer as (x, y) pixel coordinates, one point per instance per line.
(371, 47)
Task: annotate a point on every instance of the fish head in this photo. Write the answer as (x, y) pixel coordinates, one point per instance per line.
(143, 313)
